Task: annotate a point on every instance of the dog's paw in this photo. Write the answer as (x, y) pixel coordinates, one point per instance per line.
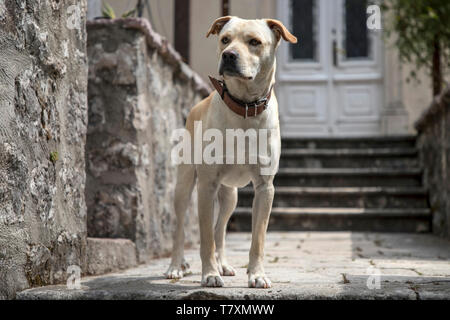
(212, 281)
(226, 270)
(259, 281)
(178, 271)
(174, 272)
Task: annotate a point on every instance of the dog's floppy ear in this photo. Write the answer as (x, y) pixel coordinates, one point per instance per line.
(280, 30)
(218, 25)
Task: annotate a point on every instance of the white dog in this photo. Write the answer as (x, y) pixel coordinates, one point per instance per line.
(245, 100)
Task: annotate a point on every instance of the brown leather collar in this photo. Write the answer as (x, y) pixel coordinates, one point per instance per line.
(251, 109)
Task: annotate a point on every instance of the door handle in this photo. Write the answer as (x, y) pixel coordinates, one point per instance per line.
(335, 52)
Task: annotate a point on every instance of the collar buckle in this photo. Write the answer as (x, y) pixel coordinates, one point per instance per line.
(265, 102)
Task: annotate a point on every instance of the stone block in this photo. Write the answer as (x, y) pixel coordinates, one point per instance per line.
(109, 255)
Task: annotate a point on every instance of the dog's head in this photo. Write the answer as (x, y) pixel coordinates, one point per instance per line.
(247, 47)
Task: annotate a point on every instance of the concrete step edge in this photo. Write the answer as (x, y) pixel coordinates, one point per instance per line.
(363, 212)
(342, 190)
(350, 171)
(350, 152)
(396, 138)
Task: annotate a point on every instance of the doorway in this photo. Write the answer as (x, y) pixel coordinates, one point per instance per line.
(330, 83)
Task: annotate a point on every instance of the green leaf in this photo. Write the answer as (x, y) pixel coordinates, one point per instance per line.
(129, 13)
(108, 11)
(432, 13)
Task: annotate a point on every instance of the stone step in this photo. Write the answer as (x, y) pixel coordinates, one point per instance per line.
(338, 219)
(345, 177)
(106, 255)
(349, 158)
(350, 142)
(357, 197)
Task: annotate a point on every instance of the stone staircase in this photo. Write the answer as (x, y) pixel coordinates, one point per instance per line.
(356, 184)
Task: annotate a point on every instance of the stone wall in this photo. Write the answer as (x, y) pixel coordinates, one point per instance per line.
(139, 91)
(434, 146)
(43, 119)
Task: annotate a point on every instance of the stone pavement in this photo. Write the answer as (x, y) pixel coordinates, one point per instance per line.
(301, 265)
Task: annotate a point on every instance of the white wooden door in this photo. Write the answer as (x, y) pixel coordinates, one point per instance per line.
(330, 83)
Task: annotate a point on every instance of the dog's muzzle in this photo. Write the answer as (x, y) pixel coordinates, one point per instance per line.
(229, 63)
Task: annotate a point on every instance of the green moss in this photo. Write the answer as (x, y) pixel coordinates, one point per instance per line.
(54, 156)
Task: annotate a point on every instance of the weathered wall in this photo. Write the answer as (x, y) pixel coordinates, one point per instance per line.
(434, 145)
(138, 92)
(43, 119)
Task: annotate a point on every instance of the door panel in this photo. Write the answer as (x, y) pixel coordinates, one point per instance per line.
(357, 103)
(357, 111)
(306, 108)
(304, 17)
(355, 41)
(306, 103)
(330, 82)
(354, 103)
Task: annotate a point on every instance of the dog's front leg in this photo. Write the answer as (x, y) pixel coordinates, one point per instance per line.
(262, 205)
(207, 192)
(227, 203)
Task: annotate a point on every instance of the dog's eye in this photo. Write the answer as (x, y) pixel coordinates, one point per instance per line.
(255, 42)
(225, 40)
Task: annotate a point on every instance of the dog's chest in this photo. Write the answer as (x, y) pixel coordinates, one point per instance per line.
(235, 176)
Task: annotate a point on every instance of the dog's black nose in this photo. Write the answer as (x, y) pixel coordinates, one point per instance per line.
(230, 56)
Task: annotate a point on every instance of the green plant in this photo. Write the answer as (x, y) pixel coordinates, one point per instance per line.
(108, 12)
(129, 13)
(54, 156)
(422, 35)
